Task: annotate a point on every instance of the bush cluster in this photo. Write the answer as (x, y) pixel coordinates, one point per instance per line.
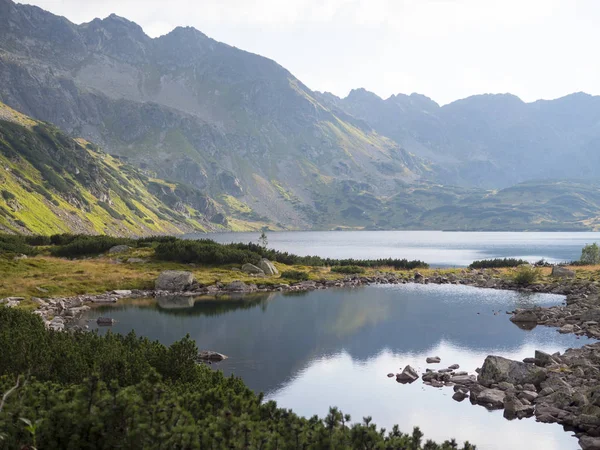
(348, 269)
(294, 275)
(12, 244)
(526, 275)
(497, 263)
(206, 251)
(82, 390)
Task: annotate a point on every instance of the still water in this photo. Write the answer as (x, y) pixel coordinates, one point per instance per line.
(311, 350)
(438, 248)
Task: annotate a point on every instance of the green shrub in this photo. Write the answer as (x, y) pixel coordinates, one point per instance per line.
(348, 269)
(295, 275)
(7, 195)
(525, 275)
(11, 244)
(88, 246)
(497, 263)
(590, 254)
(84, 390)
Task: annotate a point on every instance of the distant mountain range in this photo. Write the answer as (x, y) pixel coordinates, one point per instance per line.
(264, 150)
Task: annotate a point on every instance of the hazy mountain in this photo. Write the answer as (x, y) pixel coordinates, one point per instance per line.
(489, 141)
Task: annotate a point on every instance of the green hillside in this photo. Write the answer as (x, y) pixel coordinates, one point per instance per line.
(51, 183)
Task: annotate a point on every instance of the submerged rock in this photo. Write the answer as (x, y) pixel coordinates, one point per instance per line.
(208, 355)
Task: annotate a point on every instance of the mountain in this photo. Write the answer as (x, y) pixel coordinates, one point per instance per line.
(51, 183)
(489, 141)
(233, 124)
(245, 144)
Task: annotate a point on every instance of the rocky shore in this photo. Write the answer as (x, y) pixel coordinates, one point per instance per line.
(564, 389)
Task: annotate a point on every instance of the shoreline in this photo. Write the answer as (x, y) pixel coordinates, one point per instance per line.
(565, 392)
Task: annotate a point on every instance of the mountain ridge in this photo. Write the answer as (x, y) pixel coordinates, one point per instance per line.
(243, 131)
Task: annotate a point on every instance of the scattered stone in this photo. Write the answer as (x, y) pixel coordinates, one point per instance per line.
(119, 249)
(121, 292)
(408, 375)
(460, 395)
(433, 360)
(454, 367)
(491, 398)
(390, 375)
(562, 272)
(174, 281)
(207, 355)
(524, 316)
(105, 321)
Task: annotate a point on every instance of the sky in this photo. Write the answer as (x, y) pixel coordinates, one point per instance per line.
(445, 49)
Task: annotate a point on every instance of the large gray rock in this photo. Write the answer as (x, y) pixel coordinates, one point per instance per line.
(525, 316)
(268, 267)
(240, 286)
(496, 369)
(491, 398)
(174, 281)
(433, 360)
(252, 269)
(408, 375)
(119, 249)
(516, 409)
(562, 272)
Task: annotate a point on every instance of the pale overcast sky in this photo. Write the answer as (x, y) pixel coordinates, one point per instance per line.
(445, 49)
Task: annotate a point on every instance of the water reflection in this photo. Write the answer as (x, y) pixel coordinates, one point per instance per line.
(312, 350)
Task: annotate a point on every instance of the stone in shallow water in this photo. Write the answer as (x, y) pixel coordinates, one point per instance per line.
(408, 375)
(496, 369)
(433, 360)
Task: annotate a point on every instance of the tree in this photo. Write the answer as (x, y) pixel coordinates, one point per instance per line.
(262, 240)
(590, 254)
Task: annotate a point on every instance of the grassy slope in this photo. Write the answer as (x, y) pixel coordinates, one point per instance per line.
(44, 276)
(50, 183)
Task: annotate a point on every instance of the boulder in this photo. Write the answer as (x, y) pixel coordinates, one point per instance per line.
(562, 272)
(496, 369)
(252, 269)
(516, 409)
(174, 281)
(460, 395)
(491, 398)
(105, 321)
(268, 267)
(433, 360)
(454, 367)
(524, 316)
(207, 355)
(408, 375)
(240, 286)
(589, 443)
(119, 249)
